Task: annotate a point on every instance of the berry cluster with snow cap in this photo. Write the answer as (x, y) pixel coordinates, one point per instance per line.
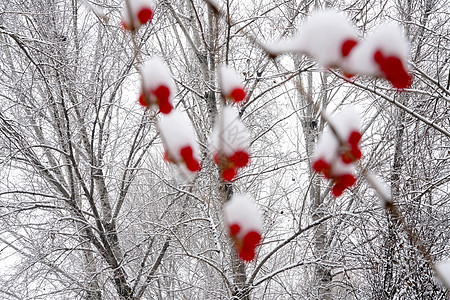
(334, 155)
(230, 143)
(231, 85)
(141, 12)
(328, 37)
(178, 137)
(243, 221)
(157, 85)
(383, 53)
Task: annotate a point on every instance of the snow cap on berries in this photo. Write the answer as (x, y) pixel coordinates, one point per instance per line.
(325, 153)
(229, 133)
(179, 139)
(230, 142)
(231, 85)
(141, 13)
(157, 85)
(346, 123)
(383, 53)
(244, 224)
(334, 155)
(326, 35)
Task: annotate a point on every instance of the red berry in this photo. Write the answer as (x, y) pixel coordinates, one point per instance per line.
(338, 189)
(143, 100)
(378, 57)
(347, 180)
(354, 138)
(356, 153)
(188, 157)
(347, 47)
(229, 174)
(165, 107)
(393, 70)
(247, 253)
(145, 15)
(321, 166)
(238, 95)
(234, 229)
(252, 238)
(162, 94)
(240, 159)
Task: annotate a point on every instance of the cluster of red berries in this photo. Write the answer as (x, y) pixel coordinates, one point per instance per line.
(188, 159)
(230, 164)
(245, 246)
(159, 96)
(335, 155)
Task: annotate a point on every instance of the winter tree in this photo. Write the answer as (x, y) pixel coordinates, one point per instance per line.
(224, 150)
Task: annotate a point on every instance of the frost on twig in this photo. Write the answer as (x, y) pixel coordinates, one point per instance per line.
(97, 10)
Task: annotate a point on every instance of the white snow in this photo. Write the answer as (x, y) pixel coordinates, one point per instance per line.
(388, 38)
(228, 80)
(346, 121)
(380, 187)
(327, 146)
(177, 132)
(340, 168)
(443, 268)
(96, 9)
(321, 36)
(241, 210)
(229, 133)
(156, 73)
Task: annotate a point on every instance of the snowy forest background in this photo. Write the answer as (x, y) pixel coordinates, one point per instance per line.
(90, 210)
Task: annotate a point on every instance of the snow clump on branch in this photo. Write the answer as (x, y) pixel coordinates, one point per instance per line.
(329, 37)
(231, 85)
(383, 53)
(230, 143)
(244, 224)
(337, 149)
(179, 141)
(157, 86)
(326, 35)
(443, 268)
